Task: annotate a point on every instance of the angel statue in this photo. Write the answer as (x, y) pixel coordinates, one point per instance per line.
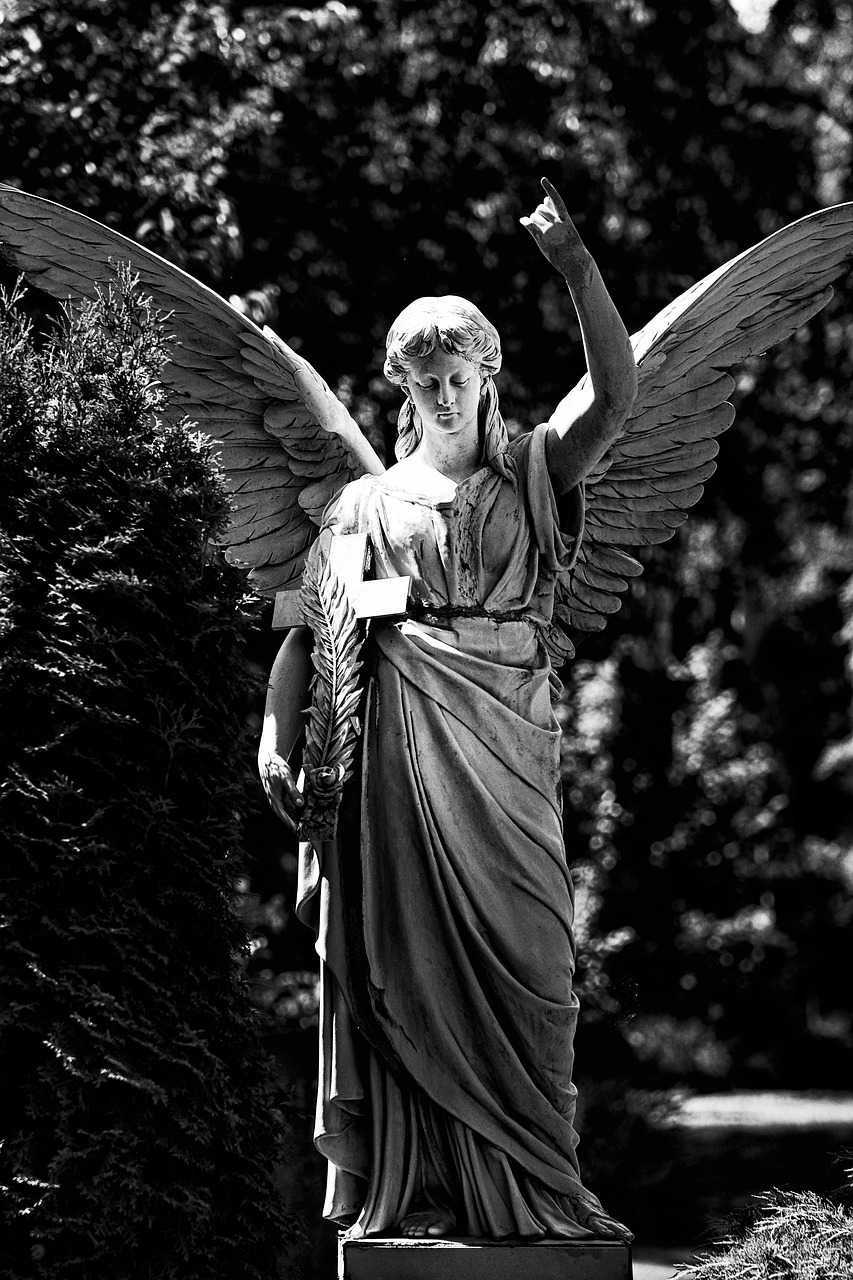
(443, 904)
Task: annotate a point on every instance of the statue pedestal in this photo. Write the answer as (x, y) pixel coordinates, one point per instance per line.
(400, 1258)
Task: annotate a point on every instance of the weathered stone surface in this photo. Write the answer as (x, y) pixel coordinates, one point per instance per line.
(399, 1258)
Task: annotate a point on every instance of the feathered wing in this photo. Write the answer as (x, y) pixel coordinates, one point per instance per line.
(641, 490)
(242, 385)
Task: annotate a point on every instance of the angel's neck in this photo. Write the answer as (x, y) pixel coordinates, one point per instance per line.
(454, 456)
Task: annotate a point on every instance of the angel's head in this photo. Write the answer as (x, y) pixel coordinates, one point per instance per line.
(459, 328)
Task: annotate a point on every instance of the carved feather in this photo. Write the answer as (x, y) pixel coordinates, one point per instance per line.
(640, 492)
(239, 383)
(252, 394)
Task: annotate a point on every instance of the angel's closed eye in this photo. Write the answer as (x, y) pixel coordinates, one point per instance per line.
(431, 386)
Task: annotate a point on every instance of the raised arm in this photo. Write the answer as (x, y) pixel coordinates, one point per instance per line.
(588, 420)
(284, 714)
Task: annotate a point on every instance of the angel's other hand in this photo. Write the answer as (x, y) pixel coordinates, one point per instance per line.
(557, 236)
(286, 800)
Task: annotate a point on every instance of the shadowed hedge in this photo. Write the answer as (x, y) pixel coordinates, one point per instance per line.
(138, 1138)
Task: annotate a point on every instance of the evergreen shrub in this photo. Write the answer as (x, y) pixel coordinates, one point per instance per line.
(138, 1137)
(795, 1236)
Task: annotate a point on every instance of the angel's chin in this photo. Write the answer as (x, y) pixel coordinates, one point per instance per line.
(449, 423)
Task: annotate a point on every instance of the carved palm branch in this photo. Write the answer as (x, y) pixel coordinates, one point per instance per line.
(641, 490)
(332, 726)
(256, 398)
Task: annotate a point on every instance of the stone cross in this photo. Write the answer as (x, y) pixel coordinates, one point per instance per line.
(349, 554)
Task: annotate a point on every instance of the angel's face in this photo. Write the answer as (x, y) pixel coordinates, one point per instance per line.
(445, 389)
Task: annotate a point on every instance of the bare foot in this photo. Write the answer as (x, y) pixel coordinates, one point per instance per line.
(428, 1222)
(607, 1228)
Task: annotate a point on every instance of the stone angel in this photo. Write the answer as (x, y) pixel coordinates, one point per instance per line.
(443, 905)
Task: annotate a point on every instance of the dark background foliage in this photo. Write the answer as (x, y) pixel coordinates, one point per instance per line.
(140, 1128)
(325, 164)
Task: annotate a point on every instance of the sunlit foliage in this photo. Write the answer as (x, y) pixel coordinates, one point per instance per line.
(794, 1235)
(327, 162)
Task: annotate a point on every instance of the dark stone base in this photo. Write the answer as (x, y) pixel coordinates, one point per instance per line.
(400, 1258)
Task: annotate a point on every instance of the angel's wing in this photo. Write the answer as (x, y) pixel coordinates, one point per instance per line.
(245, 388)
(640, 491)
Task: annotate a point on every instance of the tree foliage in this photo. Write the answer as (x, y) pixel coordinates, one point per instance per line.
(326, 163)
(138, 1137)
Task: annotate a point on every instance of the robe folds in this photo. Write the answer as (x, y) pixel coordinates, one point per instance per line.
(443, 909)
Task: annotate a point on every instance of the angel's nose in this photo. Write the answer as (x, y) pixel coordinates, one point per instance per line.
(445, 395)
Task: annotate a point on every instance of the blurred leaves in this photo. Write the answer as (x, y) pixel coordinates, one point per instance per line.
(326, 163)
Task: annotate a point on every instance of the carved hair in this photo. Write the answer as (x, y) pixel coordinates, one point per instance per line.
(460, 329)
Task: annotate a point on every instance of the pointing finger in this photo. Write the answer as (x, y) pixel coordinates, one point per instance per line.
(556, 198)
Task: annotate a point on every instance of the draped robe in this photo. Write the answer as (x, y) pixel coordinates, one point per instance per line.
(443, 910)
